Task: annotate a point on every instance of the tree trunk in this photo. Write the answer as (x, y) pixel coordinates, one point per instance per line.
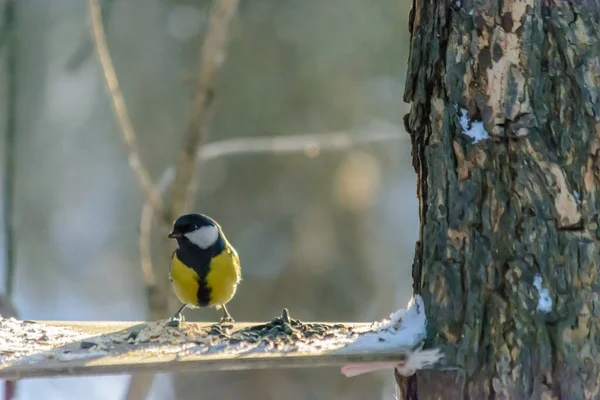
(505, 127)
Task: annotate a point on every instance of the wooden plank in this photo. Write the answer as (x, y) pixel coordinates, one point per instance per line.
(54, 348)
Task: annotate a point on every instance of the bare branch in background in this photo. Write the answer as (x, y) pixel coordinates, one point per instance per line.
(211, 59)
(310, 143)
(86, 47)
(145, 240)
(119, 108)
(282, 145)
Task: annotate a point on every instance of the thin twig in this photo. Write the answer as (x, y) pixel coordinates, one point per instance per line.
(86, 47)
(146, 233)
(282, 145)
(118, 103)
(309, 143)
(212, 57)
(145, 244)
(194, 184)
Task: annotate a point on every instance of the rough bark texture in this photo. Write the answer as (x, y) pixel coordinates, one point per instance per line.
(524, 202)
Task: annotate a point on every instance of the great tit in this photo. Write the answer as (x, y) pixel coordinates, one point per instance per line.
(205, 269)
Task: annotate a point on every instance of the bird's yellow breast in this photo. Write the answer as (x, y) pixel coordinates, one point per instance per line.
(223, 277)
(185, 282)
(221, 280)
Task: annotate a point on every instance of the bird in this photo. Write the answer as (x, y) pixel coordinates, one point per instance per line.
(205, 269)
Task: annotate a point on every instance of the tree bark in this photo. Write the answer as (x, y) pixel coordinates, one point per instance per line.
(505, 217)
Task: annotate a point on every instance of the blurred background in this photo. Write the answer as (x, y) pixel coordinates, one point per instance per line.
(328, 234)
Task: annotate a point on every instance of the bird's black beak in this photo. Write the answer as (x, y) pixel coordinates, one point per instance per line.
(174, 235)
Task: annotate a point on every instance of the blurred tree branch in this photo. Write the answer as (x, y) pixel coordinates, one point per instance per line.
(145, 242)
(86, 47)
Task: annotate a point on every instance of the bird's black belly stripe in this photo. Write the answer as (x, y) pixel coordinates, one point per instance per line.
(199, 260)
(204, 293)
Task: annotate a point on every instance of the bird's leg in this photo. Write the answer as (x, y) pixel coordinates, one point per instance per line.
(178, 317)
(226, 317)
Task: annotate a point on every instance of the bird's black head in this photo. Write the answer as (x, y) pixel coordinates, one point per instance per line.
(198, 229)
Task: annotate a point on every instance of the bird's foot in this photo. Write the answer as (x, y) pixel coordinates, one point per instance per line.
(176, 320)
(226, 320)
(174, 323)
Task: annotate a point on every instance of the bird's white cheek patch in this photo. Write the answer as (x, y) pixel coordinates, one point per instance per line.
(204, 237)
